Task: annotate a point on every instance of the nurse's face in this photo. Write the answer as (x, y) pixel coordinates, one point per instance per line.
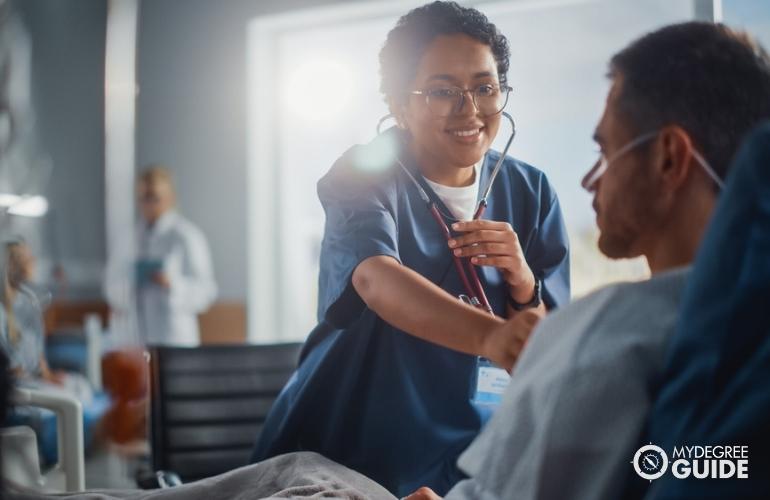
(460, 139)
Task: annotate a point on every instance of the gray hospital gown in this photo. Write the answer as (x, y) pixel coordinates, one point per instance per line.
(570, 420)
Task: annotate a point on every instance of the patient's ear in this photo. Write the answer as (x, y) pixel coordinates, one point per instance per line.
(673, 158)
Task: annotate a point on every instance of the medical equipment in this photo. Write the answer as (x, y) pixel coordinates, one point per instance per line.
(475, 291)
(601, 166)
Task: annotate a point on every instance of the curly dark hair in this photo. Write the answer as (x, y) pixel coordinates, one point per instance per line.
(415, 31)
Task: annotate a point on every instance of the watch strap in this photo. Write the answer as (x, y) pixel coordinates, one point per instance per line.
(536, 298)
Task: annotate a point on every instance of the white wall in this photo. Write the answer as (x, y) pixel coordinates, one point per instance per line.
(191, 115)
(68, 95)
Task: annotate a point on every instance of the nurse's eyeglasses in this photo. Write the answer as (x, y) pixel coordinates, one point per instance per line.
(488, 99)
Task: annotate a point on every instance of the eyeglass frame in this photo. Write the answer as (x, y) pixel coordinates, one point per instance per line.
(502, 88)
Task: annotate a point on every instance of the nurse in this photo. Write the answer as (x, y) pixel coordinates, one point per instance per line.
(399, 375)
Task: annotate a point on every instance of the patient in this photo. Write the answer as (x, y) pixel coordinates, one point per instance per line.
(682, 99)
(22, 334)
(22, 339)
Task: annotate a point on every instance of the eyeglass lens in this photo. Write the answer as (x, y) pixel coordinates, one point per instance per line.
(488, 100)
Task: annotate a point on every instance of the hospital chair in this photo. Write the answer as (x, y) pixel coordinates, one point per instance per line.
(208, 404)
(20, 460)
(78, 350)
(715, 389)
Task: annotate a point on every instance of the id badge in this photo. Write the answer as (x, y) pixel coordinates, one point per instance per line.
(490, 384)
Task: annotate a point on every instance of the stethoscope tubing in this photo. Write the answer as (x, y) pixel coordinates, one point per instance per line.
(472, 285)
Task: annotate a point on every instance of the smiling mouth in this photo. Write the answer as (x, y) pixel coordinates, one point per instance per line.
(466, 134)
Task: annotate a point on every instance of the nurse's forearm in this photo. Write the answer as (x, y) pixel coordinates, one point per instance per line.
(411, 303)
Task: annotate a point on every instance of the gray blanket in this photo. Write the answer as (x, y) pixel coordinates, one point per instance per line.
(295, 475)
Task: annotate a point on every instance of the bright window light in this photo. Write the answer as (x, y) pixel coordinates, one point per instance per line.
(320, 90)
(8, 199)
(30, 206)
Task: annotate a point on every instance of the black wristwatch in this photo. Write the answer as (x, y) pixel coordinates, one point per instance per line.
(536, 298)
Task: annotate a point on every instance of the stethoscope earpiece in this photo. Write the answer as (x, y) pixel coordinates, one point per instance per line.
(383, 120)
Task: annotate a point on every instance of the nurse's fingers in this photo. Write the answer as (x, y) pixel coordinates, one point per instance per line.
(513, 350)
(423, 493)
(504, 262)
(533, 315)
(521, 327)
(502, 344)
(530, 318)
(475, 225)
(482, 236)
(485, 249)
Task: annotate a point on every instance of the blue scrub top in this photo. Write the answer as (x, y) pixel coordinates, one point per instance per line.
(367, 395)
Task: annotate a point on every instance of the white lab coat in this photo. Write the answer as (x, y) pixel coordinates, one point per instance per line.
(161, 316)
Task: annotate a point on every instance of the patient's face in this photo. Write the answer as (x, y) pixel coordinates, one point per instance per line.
(624, 197)
(21, 264)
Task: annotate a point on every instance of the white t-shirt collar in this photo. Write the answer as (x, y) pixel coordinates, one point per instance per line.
(461, 201)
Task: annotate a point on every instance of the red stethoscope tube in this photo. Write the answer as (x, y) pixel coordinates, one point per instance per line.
(473, 284)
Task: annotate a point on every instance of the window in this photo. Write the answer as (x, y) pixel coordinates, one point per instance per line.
(752, 16)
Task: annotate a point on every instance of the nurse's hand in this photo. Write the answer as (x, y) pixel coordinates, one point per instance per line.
(423, 493)
(504, 343)
(492, 243)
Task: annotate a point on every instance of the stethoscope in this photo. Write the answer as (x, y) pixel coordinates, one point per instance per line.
(475, 291)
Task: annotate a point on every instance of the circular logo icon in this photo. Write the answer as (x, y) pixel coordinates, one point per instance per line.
(650, 462)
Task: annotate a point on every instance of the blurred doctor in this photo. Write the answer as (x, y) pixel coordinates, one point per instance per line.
(168, 279)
